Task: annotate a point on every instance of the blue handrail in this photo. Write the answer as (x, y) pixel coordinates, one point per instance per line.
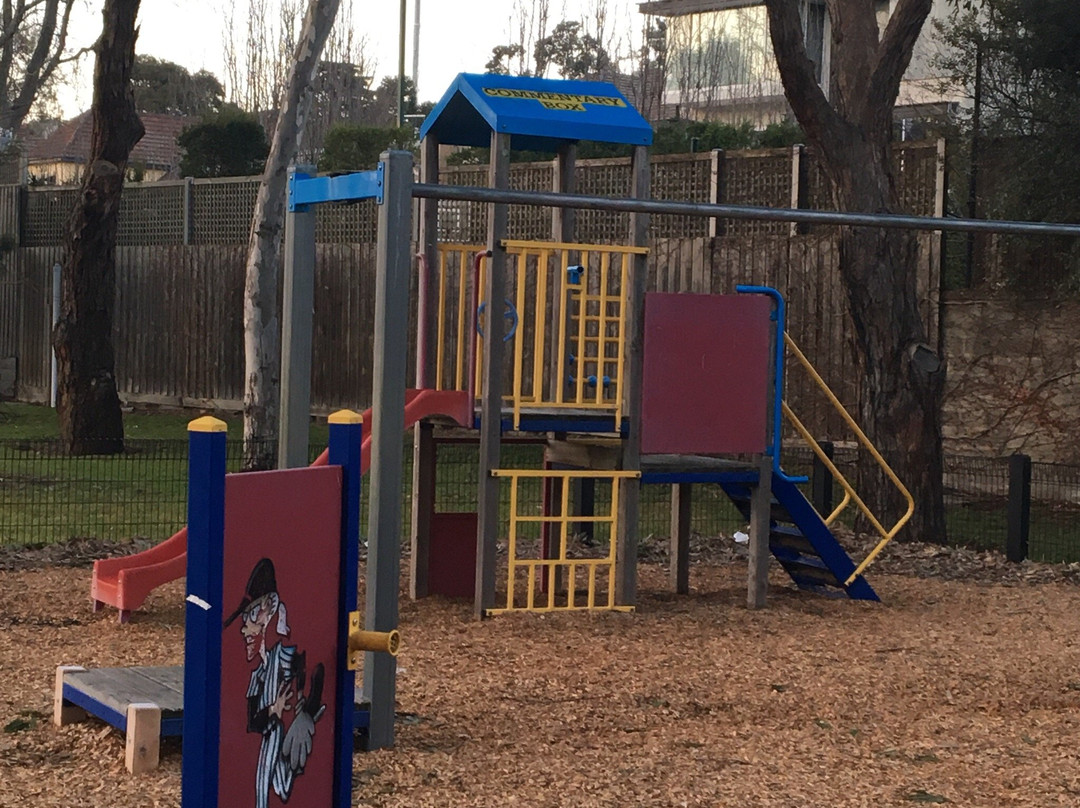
(778, 386)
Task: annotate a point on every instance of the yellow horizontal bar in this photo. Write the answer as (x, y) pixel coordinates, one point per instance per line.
(514, 244)
(568, 518)
(545, 609)
(568, 474)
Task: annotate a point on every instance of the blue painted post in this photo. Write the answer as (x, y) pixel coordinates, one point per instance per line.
(346, 439)
(202, 647)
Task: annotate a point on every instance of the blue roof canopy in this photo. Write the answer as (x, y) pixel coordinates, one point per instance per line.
(538, 114)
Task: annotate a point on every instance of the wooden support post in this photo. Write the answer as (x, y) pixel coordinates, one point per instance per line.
(294, 419)
(1019, 510)
(681, 496)
(423, 508)
(65, 712)
(142, 743)
(584, 495)
(423, 470)
(757, 578)
(487, 533)
(634, 341)
(394, 262)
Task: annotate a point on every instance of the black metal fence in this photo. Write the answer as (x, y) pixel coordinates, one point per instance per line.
(1029, 510)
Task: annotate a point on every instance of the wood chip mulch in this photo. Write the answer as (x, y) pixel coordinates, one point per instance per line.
(961, 688)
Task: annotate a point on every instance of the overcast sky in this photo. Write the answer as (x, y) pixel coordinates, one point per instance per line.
(455, 35)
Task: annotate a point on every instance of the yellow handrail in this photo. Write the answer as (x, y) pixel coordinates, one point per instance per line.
(849, 492)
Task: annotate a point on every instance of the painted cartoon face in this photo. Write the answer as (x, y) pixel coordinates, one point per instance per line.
(253, 624)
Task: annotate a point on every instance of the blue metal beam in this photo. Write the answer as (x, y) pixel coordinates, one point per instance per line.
(305, 190)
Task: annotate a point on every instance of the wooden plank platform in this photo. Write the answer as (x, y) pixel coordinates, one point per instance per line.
(139, 701)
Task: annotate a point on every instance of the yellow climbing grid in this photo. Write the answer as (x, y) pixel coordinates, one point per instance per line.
(570, 580)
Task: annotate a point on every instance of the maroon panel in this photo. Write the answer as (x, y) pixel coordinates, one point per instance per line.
(706, 376)
(281, 582)
(452, 555)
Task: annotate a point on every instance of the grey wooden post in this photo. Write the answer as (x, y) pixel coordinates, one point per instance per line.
(423, 470)
(296, 328)
(393, 260)
(487, 533)
(1019, 510)
(757, 576)
(679, 574)
(634, 339)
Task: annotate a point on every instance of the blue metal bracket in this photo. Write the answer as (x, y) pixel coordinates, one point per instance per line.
(778, 317)
(305, 190)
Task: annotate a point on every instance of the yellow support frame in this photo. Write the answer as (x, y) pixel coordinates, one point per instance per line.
(534, 566)
(850, 495)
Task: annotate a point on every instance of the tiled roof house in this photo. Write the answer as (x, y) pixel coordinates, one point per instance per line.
(59, 159)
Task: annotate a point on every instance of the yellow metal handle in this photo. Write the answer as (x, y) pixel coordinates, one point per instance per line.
(388, 642)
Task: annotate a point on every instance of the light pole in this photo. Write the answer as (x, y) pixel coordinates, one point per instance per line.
(416, 47)
(401, 69)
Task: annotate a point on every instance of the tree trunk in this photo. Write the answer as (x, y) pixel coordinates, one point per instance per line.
(902, 379)
(87, 402)
(262, 327)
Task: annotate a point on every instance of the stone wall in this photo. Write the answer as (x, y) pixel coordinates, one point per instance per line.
(1013, 376)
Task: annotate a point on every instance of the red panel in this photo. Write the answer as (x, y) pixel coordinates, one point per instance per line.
(282, 533)
(452, 555)
(706, 377)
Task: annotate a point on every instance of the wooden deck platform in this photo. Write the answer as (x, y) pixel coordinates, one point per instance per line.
(145, 703)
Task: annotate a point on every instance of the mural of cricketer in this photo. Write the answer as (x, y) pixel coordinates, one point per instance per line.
(276, 689)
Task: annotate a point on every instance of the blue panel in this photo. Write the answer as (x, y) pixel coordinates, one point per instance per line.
(203, 619)
(346, 441)
(305, 190)
(172, 727)
(537, 113)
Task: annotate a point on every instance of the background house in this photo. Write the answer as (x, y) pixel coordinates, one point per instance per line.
(60, 157)
(720, 63)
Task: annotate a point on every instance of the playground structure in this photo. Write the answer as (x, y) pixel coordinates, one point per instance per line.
(626, 388)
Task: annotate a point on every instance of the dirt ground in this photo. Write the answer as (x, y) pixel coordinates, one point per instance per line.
(960, 692)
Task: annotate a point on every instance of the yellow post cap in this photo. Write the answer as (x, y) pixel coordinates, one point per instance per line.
(345, 417)
(208, 423)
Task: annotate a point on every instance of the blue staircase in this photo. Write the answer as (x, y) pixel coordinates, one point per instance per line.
(803, 543)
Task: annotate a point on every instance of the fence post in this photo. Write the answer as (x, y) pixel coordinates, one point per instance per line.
(189, 201)
(716, 190)
(821, 481)
(1019, 513)
(798, 186)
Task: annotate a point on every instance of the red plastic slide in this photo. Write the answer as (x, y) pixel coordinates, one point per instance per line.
(126, 581)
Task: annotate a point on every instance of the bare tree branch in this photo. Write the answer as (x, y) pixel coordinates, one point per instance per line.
(808, 101)
(894, 55)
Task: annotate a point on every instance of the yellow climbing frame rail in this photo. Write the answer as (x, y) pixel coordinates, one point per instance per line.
(850, 495)
(544, 576)
(569, 301)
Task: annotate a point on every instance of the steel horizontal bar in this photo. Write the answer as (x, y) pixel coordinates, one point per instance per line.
(714, 211)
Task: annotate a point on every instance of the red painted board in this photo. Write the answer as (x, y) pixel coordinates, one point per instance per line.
(706, 374)
(452, 555)
(282, 536)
